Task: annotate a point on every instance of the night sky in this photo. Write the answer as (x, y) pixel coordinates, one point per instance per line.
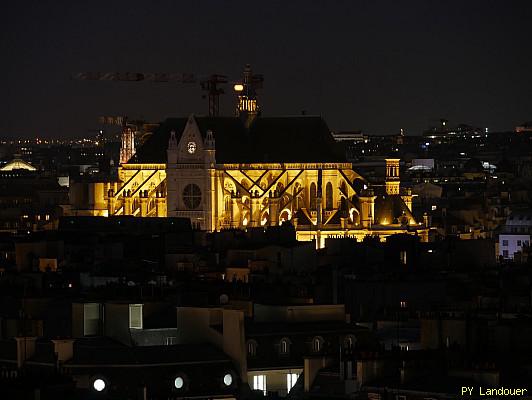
(371, 65)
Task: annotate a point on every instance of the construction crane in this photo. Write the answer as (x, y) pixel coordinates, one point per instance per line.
(245, 88)
(210, 84)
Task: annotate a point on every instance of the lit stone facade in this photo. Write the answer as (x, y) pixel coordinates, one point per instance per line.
(206, 172)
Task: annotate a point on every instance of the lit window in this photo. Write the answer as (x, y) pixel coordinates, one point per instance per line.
(291, 380)
(403, 304)
(259, 383)
(135, 316)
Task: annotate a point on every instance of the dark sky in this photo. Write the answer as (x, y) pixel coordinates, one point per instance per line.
(371, 65)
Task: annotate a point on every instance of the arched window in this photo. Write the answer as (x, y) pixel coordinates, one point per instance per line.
(317, 344)
(284, 346)
(343, 188)
(349, 343)
(227, 204)
(312, 195)
(328, 196)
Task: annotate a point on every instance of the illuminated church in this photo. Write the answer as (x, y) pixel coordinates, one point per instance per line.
(251, 171)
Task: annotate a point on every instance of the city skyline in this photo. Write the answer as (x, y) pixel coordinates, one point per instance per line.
(373, 67)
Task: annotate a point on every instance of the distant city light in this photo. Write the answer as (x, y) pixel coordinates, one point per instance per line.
(228, 379)
(238, 87)
(179, 382)
(98, 385)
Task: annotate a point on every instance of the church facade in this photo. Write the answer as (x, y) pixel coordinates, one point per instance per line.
(222, 173)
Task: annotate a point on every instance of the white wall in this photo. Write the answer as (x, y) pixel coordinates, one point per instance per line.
(512, 244)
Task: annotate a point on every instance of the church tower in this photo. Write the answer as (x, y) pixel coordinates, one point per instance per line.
(392, 176)
(127, 149)
(247, 107)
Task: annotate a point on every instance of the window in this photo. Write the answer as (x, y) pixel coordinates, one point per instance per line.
(349, 342)
(505, 253)
(135, 316)
(317, 344)
(519, 243)
(403, 304)
(328, 196)
(259, 383)
(402, 256)
(171, 340)
(252, 348)
(313, 196)
(192, 196)
(505, 242)
(291, 380)
(91, 319)
(284, 346)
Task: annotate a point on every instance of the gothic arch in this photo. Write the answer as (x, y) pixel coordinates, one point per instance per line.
(312, 196)
(329, 196)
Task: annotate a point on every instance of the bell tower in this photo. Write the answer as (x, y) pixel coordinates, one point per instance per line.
(247, 107)
(392, 176)
(127, 149)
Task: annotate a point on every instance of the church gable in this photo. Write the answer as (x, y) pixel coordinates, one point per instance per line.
(190, 147)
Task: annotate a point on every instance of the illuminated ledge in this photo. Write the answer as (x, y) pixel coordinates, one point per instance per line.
(143, 166)
(286, 166)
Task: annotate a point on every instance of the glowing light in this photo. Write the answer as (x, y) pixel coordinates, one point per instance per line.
(238, 87)
(228, 379)
(98, 385)
(245, 221)
(179, 382)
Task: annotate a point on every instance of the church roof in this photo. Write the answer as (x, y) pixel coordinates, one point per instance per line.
(389, 209)
(268, 140)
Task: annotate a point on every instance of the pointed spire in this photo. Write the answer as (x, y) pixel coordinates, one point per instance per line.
(210, 143)
(172, 142)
